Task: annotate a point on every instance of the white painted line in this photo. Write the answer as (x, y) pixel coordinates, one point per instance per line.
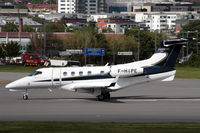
(138, 100)
(156, 100)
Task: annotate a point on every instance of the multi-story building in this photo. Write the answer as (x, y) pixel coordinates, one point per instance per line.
(118, 25)
(91, 6)
(126, 5)
(66, 6)
(161, 22)
(87, 6)
(102, 6)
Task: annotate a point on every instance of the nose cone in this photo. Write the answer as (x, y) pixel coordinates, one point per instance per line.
(10, 86)
(18, 84)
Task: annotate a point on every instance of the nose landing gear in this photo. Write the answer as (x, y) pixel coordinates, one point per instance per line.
(25, 96)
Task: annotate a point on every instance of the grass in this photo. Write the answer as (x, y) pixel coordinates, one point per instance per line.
(188, 72)
(86, 127)
(182, 72)
(18, 68)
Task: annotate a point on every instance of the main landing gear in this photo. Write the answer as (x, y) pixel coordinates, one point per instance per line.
(25, 96)
(104, 96)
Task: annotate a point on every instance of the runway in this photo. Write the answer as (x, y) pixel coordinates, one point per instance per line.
(176, 101)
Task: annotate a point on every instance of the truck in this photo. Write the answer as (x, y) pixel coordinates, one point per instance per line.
(34, 60)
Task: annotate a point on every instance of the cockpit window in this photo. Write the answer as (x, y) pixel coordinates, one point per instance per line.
(35, 73)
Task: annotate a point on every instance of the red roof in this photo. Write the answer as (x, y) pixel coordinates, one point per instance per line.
(15, 34)
(178, 28)
(42, 6)
(55, 34)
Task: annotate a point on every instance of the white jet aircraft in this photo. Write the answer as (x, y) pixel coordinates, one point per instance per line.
(101, 80)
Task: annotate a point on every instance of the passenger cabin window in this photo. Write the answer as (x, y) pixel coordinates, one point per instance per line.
(89, 72)
(35, 73)
(102, 72)
(64, 73)
(72, 73)
(80, 73)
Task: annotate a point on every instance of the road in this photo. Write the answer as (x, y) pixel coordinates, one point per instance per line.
(176, 101)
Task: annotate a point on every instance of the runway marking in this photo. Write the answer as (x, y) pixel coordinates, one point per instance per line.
(156, 100)
(138, 100)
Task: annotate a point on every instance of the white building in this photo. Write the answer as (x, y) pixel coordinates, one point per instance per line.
(92, 6)
(66, 6)
(161, 22)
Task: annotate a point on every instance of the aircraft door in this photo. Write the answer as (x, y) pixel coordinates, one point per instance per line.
(56, 77)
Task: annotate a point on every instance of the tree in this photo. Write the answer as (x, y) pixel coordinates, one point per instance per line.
(71, 28)
(2, 51)
(39, 20)
(146, 40)
(53, 27)
(13, 49)
(27, 28)
(21, 7)
(191, 30)
(109, 30)
(10, 27)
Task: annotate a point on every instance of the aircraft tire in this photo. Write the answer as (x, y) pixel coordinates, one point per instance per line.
(25, 97)
(107, 95)
(100, 97)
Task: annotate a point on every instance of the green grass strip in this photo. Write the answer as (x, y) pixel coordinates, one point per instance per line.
(188, 72)
(86, 127)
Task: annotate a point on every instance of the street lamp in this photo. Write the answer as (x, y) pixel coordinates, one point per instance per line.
(138, 57)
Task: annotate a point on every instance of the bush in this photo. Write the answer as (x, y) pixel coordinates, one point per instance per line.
(194, 61)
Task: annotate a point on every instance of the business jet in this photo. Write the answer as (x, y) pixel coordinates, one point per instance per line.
(101, 80)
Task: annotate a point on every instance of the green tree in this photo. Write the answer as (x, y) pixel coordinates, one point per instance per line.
(2, 52)
(146, 40)
(37, 1)
(191, 30)
(10, 27)
(109, 30)
(53, 27)
(27, 28)
(39, 20)
(21, 7)
(71, 28)
(13, 49)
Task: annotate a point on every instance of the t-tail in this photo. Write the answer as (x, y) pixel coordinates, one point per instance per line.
(172, 47)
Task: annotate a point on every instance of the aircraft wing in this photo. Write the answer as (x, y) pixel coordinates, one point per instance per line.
(91, 85)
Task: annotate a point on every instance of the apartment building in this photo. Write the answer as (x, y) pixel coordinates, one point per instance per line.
(66, 6)
(161, 22)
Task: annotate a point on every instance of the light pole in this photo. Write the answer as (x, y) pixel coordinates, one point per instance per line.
(138, 44)
(85, 43)
(138, 30)
(155, 40)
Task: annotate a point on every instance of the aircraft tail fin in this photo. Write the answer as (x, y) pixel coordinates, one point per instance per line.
(172, 47)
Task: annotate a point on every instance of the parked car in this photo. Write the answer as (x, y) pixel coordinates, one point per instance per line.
(34, 60)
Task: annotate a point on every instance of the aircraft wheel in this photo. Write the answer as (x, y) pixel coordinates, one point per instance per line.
(107, 95)
(25, 97)
(100, 97)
